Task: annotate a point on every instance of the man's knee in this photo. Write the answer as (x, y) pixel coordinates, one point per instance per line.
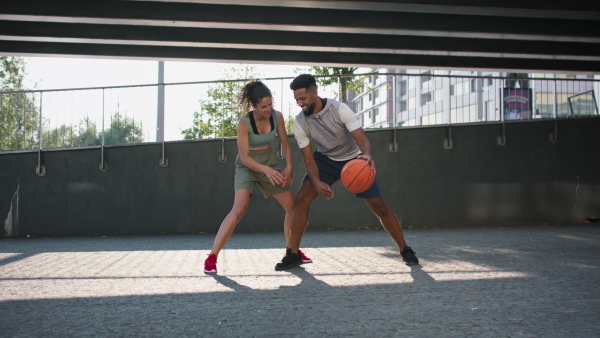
(379, 207)
(306, 195)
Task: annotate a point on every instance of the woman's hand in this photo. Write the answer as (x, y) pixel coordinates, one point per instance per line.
(274, 176)
(287, 175)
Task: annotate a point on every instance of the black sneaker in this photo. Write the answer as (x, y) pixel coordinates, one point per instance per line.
(290, 260)
(409, 257)
(305, 258)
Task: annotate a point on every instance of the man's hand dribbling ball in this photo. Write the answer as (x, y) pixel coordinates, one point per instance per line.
(357, 176)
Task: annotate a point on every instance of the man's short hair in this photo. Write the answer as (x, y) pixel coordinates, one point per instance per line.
(303, 81)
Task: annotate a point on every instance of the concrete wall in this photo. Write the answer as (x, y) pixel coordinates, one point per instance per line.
(477, 183)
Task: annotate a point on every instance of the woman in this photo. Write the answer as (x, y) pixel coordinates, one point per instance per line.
(256, 165)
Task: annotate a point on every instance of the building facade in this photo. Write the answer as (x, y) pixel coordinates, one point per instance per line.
(405, 98)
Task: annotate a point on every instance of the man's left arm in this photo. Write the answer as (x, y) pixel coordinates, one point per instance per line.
(349, 119)
(364, 145)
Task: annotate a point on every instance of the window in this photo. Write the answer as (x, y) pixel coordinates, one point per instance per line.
(358, 106)
(403, 105)
(412, 83)
(403, 88)
(412, 102)
(426, 98)
(438, 95)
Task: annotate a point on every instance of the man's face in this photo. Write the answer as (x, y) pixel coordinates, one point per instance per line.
(306, 99)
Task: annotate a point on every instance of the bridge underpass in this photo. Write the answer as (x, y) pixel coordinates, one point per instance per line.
(530, 35)
(530, 179)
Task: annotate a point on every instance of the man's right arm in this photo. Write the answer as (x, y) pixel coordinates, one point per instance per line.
(312, 170)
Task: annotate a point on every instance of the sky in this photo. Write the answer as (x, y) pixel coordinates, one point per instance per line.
(181, 101)
(63, 73)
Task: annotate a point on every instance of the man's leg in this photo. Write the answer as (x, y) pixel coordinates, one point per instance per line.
(390, 223)
(305, 196)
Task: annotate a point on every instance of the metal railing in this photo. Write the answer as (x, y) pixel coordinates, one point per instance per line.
(101, 116)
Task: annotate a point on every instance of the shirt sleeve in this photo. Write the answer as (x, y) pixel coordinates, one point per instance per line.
(300, 135)
(348, 117)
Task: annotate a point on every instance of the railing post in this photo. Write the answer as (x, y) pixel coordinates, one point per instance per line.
(163, 161)
(279, 153)
(103, 166)
(40, 169)
(501, 139)
(222, 154)
(393, 147)
(448, 139)
(554, 133)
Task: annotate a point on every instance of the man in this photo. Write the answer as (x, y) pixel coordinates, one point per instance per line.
(333, 126)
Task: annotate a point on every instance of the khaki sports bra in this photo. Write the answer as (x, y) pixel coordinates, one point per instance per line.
(256, 140)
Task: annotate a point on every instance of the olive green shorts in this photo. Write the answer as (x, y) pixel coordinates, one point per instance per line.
(246, 178)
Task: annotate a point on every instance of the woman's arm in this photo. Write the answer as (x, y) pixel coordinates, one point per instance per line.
(287, 151)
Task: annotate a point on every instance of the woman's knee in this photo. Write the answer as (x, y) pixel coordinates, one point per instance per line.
(238, 212)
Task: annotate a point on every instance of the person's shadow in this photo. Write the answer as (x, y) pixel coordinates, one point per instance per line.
(308, 281)
(230, 283)
(420, 276)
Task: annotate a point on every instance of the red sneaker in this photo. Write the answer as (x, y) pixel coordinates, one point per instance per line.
(305, 258)
(210, 264)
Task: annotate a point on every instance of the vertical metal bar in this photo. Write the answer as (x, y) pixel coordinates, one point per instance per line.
(160, 114)
(280, 152)
(502, 137)
(103, 167)
(393, 147)
(40, 170)
(222, 155)
(160, 109)
(448, 139)
(595, 101)
(17, 108)
(554, 133)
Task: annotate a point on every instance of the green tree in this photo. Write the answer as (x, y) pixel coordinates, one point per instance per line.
(61, 137)
(199, 130)
(220, 113)
(19, 117)
(122, 130)
(335, 75)
(89, 135)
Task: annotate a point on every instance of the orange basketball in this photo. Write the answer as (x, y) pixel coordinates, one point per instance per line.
(357, 176)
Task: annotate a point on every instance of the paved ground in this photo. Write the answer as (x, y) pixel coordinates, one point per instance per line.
(495, 282)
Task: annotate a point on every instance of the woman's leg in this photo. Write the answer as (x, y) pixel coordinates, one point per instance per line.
(287, 201)
(240, 205)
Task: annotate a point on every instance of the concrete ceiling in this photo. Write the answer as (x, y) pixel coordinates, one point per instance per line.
(528, 35)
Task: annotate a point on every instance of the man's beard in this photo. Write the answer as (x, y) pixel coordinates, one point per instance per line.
(309, 111)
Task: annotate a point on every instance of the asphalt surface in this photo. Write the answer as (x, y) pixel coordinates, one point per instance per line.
(534, 281)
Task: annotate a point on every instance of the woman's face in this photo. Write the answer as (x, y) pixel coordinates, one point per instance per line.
(264, 107)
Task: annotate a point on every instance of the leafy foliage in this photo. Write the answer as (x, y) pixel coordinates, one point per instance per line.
(122, 130)
(335, 75)
(19, 117)
(220, 112)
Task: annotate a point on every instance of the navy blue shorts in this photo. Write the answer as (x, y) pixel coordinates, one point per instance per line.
(329, 172)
